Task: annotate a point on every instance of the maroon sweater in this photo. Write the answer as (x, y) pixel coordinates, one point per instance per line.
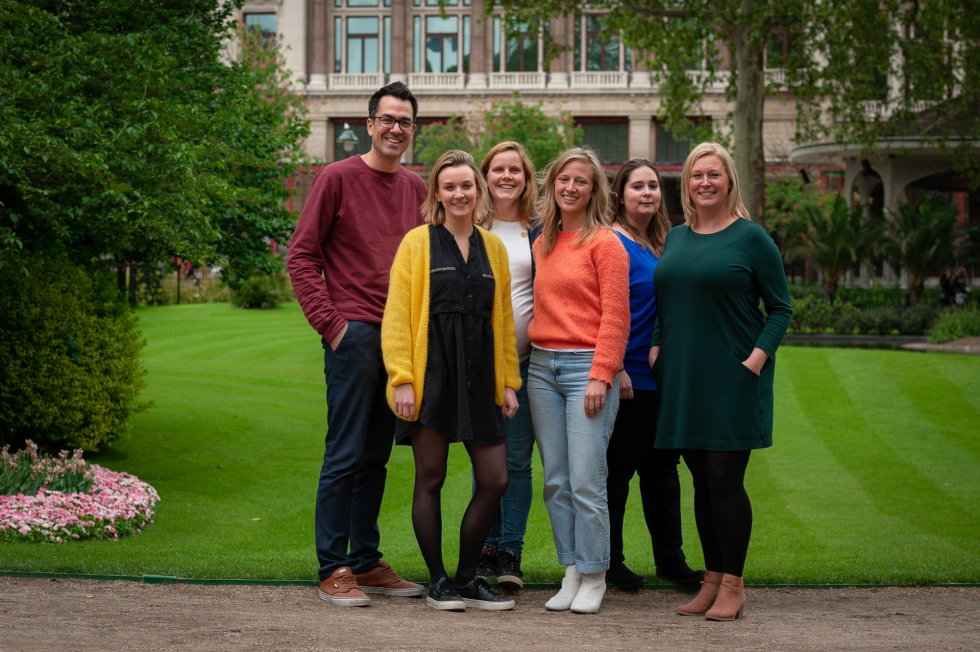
(345, 241)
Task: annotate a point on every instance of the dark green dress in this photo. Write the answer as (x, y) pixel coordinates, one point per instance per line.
(709, 288)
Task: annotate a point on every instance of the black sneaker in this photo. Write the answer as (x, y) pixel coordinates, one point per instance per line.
(489, 561)
(477, 594)
(509, 575)
(680, 573)
(623, 578)
(443, 596)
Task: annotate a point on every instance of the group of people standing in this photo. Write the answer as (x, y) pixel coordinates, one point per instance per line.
(492, 311)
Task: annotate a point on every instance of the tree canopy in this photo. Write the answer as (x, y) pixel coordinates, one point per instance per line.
(125, 134)
(858, 70)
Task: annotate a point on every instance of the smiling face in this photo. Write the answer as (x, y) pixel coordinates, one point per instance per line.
(709, 183)
(641, 196)
(573, 189)
(390, 142)
(505, 177)
(456, 190)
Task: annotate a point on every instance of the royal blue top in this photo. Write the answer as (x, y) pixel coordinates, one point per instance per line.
(643, 313)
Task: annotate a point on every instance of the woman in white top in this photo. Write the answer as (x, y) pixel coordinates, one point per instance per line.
(510, 178)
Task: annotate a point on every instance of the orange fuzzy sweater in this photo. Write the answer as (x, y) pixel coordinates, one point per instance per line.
(581, 299)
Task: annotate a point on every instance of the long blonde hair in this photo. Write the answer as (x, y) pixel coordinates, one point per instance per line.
(596, 212)
(657, 229)
(432, 210)
(735, 205)
(530, 195)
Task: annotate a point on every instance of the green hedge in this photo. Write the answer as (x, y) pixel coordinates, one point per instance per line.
(70, 357)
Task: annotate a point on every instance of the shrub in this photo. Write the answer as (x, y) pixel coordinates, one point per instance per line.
(263, 291)
(955, 324)
(69, 357)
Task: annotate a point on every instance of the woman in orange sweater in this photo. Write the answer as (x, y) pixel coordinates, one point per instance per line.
(578, 336)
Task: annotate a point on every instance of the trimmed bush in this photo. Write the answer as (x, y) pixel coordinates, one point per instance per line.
(955, 324)
(70, 357)
(262, 291)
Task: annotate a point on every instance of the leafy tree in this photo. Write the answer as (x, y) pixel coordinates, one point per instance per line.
(834, 237)
(920, 239)
(125, 135)
(544, 136)
(842, 53)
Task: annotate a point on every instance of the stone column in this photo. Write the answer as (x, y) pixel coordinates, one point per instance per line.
(400, 52)
(478, 47)
(640, 140)
(561, 65)
(317, 31)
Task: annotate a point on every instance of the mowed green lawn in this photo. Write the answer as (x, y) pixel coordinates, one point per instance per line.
(874, 476)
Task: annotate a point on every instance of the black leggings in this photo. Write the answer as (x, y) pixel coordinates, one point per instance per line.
(721, 507)
(431, 452)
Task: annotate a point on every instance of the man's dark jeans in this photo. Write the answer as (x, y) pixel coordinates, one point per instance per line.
(360, 434)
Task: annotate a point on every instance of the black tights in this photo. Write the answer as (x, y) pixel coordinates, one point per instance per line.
(431, 451)
(721, 507)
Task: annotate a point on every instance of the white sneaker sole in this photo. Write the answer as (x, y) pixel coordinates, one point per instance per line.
(510, 582)
(398, 593)
(446, 605)
(345, 602)
(486, 605)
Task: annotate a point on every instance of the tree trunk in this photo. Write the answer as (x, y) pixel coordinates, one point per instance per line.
(750, 97)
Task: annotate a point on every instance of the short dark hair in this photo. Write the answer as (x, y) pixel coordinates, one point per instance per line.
(395, 89)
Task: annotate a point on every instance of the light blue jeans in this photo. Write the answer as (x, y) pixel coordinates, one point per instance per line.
(573, 455)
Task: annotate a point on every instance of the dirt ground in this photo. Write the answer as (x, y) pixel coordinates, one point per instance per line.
(46, 614)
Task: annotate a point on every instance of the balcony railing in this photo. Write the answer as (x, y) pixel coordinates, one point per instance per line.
(600, 79)
(436, 80)
(876, 110)
(356, 81)
(516, 80)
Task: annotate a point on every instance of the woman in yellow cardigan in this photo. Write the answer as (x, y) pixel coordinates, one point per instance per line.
(451, 354)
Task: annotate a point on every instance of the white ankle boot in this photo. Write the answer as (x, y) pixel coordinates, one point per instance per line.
(590, 593)
(562, 600)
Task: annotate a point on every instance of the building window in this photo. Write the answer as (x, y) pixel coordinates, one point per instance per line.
(609, 137)
(362, 44)
(359, 128)
(596, 52)
(520, 52)
(670, 150)
(264, 25)
(442, 43)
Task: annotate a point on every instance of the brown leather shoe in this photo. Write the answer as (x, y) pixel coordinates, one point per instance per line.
(730, 601)
(383, 579)
(341, 589)
(705, 597)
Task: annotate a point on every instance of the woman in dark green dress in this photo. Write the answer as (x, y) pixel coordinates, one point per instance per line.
(715, 353)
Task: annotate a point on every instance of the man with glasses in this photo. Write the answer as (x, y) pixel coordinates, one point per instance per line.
(339, 259)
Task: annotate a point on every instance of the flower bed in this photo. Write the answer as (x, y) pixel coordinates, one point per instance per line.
(116, 505)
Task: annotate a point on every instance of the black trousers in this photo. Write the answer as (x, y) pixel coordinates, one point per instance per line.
(631, 452)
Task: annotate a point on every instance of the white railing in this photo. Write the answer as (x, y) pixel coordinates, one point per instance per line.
(776, 77)
(436, 80)
(600, 79)
(876, 110)
(356, 81)
(516, 80)
(717, 85)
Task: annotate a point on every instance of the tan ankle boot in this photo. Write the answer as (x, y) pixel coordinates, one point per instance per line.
(730, 601)
(705, 597)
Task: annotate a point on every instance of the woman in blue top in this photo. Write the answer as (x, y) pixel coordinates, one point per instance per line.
(641, 223)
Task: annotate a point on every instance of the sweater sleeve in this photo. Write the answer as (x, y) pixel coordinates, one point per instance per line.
(613, 269)
(305, 262)
(396, 329)
(770, 282)
(512, 373)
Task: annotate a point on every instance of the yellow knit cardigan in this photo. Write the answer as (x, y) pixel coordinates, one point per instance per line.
(405, 327)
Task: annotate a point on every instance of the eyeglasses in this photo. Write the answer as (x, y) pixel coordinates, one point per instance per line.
(388, 122)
